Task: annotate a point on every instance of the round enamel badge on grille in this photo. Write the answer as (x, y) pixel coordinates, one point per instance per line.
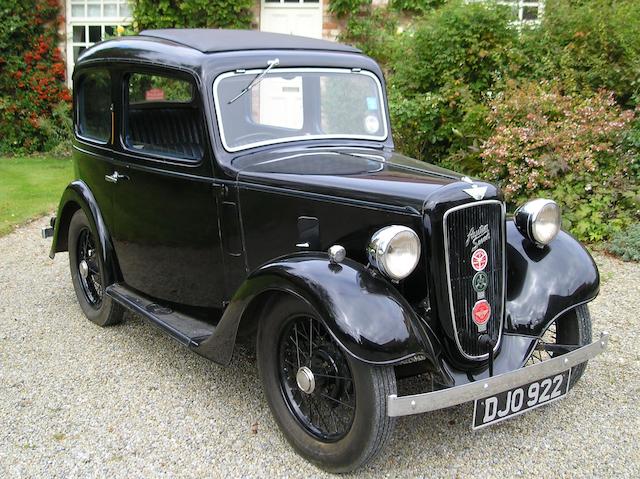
(479, 259)
(480, 281)
(481, 312)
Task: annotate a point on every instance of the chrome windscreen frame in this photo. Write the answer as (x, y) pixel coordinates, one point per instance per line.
(448, 270)
(232, 149)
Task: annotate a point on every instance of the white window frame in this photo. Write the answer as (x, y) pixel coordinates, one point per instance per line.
(86, 21)
(296, 4)
(521, 5)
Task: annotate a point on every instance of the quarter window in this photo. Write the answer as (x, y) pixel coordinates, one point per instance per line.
(94, 106)
(163, 117)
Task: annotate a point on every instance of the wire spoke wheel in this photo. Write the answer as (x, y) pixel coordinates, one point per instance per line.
(89, 268)
(571, 329)
(540, 354)
(315, 379)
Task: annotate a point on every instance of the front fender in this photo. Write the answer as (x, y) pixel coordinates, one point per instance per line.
(363, 312)
(543, 283)
(77, 195)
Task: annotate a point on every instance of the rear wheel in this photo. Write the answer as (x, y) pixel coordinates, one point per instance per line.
(571, 329)
(87, 273)
(330, 406)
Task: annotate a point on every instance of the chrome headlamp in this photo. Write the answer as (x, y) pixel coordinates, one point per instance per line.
(395, 251)
(539, 220)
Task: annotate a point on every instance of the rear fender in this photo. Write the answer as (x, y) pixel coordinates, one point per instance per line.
(544, 283)
(77, 196)
(362, 311)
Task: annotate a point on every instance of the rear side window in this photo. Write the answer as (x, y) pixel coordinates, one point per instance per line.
(163, 117)
(94, 106)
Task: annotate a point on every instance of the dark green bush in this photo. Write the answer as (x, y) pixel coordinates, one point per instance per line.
(587, 45)
(375, 33)
(348, 8)
(626, 244)
(443, 72)
(192, 13)
(461, 43)
(415, 6)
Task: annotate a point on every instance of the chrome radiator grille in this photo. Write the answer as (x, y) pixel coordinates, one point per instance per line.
(470, 231)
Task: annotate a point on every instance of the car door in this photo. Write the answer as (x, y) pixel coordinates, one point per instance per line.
(166, 227)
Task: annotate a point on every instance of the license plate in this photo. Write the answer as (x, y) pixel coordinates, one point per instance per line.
(516, 401)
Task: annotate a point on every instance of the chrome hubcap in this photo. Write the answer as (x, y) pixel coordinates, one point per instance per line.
(305, 379)
(84, 269)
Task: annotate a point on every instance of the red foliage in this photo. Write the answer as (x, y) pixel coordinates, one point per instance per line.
(34, 75)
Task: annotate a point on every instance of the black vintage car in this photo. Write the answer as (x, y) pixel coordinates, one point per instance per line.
(237, 185)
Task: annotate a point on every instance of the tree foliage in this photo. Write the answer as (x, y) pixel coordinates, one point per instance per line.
(192, 13)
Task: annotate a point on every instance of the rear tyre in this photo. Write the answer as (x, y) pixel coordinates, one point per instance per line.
(331, 407)
(572, 328)
(87, 273)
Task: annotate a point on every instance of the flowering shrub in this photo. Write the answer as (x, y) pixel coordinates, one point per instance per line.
(576, 150)
(34, 101)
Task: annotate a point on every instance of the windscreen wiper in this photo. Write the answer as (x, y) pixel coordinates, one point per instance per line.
(256, 80)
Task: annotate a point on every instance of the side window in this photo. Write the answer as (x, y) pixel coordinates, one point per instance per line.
(162, 117)
(94, 106)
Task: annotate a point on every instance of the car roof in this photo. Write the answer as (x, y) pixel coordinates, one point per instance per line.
(209, 40)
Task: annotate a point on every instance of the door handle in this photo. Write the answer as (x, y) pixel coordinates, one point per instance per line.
(115, 177)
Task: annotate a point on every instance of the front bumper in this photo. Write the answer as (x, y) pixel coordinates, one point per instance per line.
(419, 403)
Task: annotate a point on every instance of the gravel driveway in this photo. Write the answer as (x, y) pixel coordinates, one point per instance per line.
(77, 400)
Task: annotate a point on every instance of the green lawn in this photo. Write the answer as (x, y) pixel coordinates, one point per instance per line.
(30, 186)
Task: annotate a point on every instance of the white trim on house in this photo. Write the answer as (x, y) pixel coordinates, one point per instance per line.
(89, 22)
(295, 17)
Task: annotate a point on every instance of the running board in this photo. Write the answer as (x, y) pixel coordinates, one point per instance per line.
(184, 329)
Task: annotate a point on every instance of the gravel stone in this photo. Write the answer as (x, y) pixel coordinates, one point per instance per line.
(77, 400)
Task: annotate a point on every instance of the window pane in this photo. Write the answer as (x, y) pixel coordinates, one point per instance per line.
(93, 10)
(110, 9)
(530, 13)
(278, 102)
(95, 33)
(292, 104)
(125, 11)
(349, 104)
(77, 10)
(109, 31)
(94, 101)
(162, 118)
(158, 88)
(79, 34)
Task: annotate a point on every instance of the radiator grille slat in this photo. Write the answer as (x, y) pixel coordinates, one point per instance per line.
(463, 296)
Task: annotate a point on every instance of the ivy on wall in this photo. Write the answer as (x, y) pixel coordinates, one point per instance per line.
(192, 14)
(34, 100)
(346, 8)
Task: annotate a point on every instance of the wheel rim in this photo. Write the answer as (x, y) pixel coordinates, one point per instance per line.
(89, 269)
(315, 379)
(539, 354)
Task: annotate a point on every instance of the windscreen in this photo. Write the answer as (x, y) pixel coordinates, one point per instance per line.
(295, 104)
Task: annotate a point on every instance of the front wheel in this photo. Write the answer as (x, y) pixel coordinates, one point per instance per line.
(331, 407)
(571, 329)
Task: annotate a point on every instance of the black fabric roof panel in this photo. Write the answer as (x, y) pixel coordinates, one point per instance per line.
(215, 40)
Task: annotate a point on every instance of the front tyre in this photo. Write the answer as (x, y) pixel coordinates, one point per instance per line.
(87, 273)
(573, 329)
(331, 407)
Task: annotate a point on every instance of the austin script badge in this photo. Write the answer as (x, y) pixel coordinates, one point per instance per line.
(477, 236)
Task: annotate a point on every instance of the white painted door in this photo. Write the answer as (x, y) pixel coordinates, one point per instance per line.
(294, 17)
